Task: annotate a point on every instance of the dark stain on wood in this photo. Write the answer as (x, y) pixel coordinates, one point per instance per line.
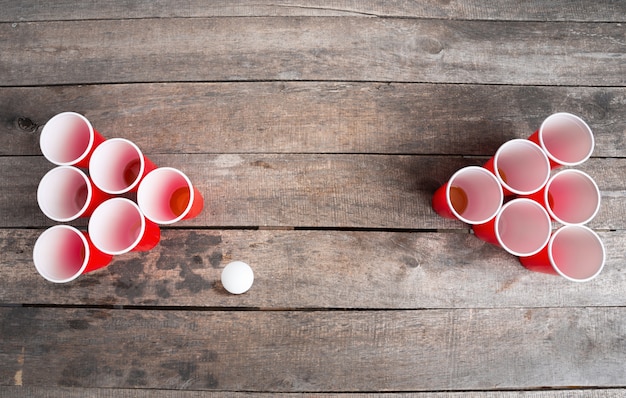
(136, 377)
(78, 324)
(162, 289)
(78, 370)
(128, 283)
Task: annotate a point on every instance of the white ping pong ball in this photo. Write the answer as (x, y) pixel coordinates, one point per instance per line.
(237, 277)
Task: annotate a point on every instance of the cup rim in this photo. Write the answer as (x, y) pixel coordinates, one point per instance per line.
(514, 202)
(483, 171)
(546, 196)
(147, 179)
(103, 147)
(578, 120)
(46, 152)
(82, 210)
(85, 260)
(142, 227)
(587, 229)
(521, 141)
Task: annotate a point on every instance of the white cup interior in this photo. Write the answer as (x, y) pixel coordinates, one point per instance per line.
(64, 193)
(577, 253)
(116, 226)
(66, 138)
(61, 253)
(523, 227)
(160, 192)
(522, 166)
(482, 192)
(116, 166)
(573, 197)
(566, 138)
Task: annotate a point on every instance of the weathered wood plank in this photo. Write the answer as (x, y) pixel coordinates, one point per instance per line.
(78, 392)
(338, 49)
(288, 351)
(314, 269)
(329, 191)
(601, 10)
(313, 117)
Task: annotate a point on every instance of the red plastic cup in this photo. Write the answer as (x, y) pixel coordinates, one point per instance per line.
(574, 251)
(68, 139)
(118, 165)
(166, 196)
(62, 253)
(566, 139)
(570, 196)
(65, 193)
(521, 166)
(472, 195)
(522, 227)
(117, 226)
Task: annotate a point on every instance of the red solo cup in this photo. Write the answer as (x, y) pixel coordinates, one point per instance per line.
(62, 253)
(117, 226)
(570, 196)
(68, 139)
(521, 166)
(472, 195)
(118, 165)
(566, 139)
(166, 196)
(574, 251)
(522, 227)
(65, 193)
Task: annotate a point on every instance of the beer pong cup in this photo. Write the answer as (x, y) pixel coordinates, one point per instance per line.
(522, 227)
(570, 196)
(118, 165)
(166, 196)
(566, 139)
(574, 251)
(117, 226)
(62, 253)
(68, 139)
(65, 193)
(472, 195)
(521, 166)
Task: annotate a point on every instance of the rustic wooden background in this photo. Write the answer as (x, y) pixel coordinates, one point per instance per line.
(317, 132)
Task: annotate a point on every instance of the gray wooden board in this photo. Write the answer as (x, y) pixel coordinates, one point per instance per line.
(286, 351)
(580, 10)
(314, 270)
(312, 117)
(312, 48)
(81, 392)
(309, 190)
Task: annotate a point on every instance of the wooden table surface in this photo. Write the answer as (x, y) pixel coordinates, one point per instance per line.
(317, 133)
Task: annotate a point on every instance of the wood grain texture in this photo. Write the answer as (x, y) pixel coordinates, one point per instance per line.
(314, 48)
(312, 117)
(337, 351)
(327, 191)
(78, 392)
(579, 10)
(313, 270)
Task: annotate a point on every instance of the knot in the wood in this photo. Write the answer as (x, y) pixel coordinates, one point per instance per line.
(26, 124)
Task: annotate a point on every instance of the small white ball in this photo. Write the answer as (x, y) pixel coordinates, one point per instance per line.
(237, 277)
